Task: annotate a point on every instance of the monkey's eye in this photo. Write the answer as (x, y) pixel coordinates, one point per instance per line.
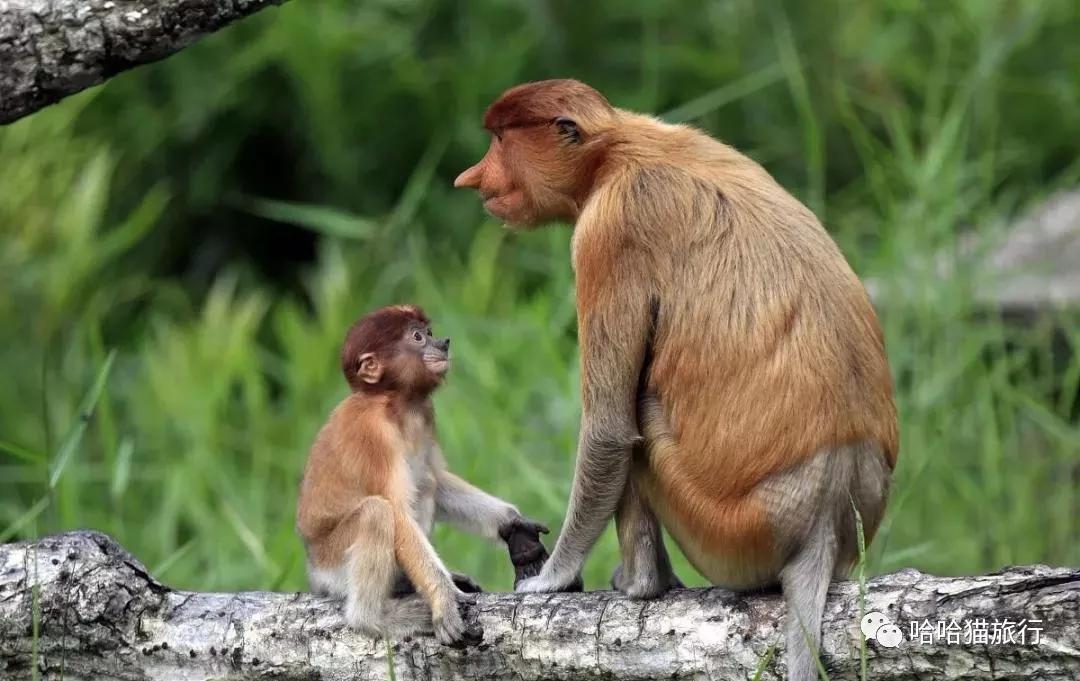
(418, 337)
(568, 129)
(429, 331)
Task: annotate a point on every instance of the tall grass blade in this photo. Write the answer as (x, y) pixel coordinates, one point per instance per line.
(70, 444)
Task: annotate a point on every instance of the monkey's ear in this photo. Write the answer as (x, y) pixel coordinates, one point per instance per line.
(371, 369)
(568, 129)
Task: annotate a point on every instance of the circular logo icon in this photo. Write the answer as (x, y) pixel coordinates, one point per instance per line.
(889, 635)
(876, 627)
(870, 624)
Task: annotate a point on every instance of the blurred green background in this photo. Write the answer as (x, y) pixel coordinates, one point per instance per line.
(183, 249)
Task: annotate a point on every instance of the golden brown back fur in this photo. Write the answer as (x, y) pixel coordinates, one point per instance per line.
(764, 351)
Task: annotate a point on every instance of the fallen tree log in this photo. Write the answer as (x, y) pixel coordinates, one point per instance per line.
(98, 614)
(50, 49)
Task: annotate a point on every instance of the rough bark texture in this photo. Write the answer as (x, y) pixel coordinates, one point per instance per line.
(50, 49)
(101, 616)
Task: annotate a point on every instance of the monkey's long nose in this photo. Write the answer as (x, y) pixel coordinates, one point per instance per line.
(443, 344)
(469, 178)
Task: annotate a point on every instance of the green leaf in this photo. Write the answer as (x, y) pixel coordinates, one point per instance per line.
(74, 436)
(122, 469)
(21, 452)
(26, 517)
(323, 219)
(722, 96)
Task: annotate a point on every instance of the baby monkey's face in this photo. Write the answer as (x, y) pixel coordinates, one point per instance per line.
(433, 352)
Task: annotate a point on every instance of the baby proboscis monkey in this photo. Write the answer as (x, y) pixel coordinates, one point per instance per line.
(376, 481)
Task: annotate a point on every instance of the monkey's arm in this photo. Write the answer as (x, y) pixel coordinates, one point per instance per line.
(472, 509)
(615, 310)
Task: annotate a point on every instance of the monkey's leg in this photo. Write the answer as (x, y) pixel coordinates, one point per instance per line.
(600, 477)
(371, 571)
(645, 571)
(425, 570)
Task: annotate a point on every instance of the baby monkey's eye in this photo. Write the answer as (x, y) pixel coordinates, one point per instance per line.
(418, 337)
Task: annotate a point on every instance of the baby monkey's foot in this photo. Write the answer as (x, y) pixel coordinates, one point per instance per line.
(466, 583)
(450, 628)
(404, 587)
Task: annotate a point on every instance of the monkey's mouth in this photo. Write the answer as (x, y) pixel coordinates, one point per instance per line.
(504, 206)
(493, 205)
(437, 364)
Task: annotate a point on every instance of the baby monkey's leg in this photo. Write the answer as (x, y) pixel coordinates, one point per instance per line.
(371, 568)
(431, 579)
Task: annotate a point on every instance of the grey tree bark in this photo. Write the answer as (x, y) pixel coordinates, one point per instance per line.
(99, 615)
(50, 49)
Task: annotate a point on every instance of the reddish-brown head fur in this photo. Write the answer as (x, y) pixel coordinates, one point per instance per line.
(392, 350)
(548, 142)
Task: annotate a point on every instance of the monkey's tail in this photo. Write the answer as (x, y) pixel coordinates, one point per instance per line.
(805, 581)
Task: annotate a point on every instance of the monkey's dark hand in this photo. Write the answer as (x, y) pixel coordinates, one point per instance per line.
(527, 552)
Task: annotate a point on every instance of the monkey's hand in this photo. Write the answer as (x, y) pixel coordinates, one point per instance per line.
(519, 524)
(527, 552)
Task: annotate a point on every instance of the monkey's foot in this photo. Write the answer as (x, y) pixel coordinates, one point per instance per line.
(542, 584)
(450, 628)
(644, 584)
(402, 587)
(466, 583)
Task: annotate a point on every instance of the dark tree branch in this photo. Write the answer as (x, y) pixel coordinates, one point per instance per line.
(50, 49)
(101, 616)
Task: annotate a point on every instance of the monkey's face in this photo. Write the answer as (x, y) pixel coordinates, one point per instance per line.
(434, 353)
(505, 187)
(547, 144)
(393, 350)
(418, 362)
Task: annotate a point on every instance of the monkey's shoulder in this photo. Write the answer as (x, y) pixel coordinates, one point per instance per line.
(358, 429)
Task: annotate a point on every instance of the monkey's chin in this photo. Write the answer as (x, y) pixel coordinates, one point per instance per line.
(510, 208)
(438, 367)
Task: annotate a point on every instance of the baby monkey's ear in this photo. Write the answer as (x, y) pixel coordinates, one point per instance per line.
(371, 369)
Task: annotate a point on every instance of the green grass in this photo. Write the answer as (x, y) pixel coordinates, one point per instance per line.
(902, 123)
